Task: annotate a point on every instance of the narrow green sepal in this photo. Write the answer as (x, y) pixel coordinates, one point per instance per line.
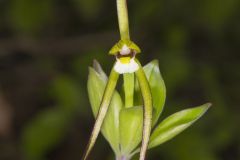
(157, 87)
(97, 81)
(147, 114)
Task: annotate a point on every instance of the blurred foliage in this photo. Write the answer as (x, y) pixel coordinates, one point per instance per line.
(197, 44)
(46, 130)
(30, 15)
(89, 8)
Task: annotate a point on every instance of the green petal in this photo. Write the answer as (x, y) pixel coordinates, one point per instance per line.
(114, 50)
(175, 124)
(157, 86)
(118, 46)
(131, 120)
(110, 127)
(135, 47)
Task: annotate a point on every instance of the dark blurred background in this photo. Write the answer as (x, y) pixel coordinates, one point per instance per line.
(46, 47)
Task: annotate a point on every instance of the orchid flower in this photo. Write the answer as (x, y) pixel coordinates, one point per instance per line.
(149, 84)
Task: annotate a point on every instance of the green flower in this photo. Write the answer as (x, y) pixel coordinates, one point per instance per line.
(123, 125)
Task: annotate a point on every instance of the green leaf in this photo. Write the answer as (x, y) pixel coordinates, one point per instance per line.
(44, 132)
(157, 87)
(131, 120)
(175, 124)
(110, 127)
(97, 67)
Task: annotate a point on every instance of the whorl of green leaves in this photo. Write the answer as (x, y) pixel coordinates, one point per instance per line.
(122, 126)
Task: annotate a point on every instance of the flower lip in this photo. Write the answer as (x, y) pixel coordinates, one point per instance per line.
(126, 65)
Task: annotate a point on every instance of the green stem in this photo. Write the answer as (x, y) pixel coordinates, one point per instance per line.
(128, 84)
(110, 87)
(147, 100)
(123, 19)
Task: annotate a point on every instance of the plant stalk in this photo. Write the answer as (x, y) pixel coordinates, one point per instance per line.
(123, 19)
(128, 85)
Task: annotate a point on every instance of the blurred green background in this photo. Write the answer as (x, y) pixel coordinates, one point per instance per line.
(46, 47)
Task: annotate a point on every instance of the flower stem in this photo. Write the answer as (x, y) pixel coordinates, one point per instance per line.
(128, 84)
(123, 19)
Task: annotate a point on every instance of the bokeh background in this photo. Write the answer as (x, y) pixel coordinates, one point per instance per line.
(46, 47)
